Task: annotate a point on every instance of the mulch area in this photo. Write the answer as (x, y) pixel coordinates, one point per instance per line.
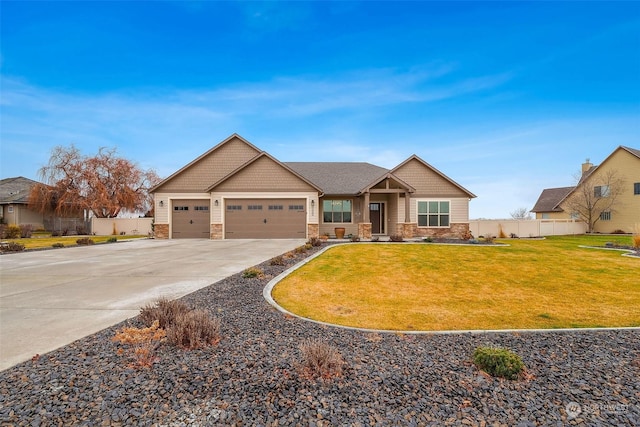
(252, 377)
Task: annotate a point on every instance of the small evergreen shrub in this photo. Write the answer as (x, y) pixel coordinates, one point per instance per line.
(396, 238)
(194, 329)
(164, 311)
(501, 233)
(320, 360)
(253, 272)
(112, 240)
(300, 250)
(428, 240)
(85, 241)
(58, 245)
(498, 362)
(12, 232)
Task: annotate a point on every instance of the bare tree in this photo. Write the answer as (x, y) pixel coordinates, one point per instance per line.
(104, 184)
(595, 196)
(520, 213)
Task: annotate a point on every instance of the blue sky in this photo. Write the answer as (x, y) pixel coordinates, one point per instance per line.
(506, 98)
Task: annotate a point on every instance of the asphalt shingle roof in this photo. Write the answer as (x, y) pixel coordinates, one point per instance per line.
(549, 199)
(15, 190)
(346, 178)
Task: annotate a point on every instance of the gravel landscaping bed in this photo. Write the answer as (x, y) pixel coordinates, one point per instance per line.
(251, 377)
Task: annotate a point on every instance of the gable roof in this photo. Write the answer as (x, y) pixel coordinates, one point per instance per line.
(633, 151)
(199, 158)
(15, 190)
(256, 158)
(550, 198)
(339, 177)
(443, 176)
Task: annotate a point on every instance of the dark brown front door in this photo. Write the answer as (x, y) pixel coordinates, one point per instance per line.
(376, 215)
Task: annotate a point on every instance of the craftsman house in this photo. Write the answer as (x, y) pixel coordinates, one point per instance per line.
(237, 191)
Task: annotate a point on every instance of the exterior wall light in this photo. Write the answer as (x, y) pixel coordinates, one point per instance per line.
(161, 203)
(215, 202)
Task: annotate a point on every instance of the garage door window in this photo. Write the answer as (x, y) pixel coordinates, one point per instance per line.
(234, 207)
(275, 207)
(254, 207)
(201, 208)
(181, 208)
(296, 207)
(336, 210)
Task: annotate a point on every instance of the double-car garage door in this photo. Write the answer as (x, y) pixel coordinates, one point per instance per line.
(265, 219)
(243, 218)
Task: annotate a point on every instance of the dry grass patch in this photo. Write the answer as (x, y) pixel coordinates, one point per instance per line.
(531, 284)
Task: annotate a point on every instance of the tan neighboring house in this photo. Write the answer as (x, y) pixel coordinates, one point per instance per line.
(626, 213)
(14, 199)
(237, 191)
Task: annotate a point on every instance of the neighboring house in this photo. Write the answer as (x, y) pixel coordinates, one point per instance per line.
(626, 212)
(14, 208)
(236, 191)
(14, 199)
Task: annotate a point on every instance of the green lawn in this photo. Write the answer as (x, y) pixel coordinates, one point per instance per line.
(550, 283)
(38, 242)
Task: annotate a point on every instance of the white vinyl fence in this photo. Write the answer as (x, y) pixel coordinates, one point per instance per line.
(527, 228)
(118, 226)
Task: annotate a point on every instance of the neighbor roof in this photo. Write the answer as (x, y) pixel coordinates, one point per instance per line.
(339, 177)
(550, 198)
(15, 190)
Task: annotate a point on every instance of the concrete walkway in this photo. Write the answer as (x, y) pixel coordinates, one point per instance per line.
(51, 298)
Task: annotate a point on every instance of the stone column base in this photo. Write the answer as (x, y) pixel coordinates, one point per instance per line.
(364, 230)
(313, 231)
(409, 230)
(216, 232)
(161, 231)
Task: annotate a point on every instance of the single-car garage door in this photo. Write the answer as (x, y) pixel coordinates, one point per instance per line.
(190, 219)
(265, 219)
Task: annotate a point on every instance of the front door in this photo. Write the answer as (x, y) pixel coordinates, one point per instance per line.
(376, 215)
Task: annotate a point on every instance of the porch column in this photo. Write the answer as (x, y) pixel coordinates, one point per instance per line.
(365, 208)
(407, 207)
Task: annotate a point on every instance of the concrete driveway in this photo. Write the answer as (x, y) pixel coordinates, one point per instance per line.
(51, 298)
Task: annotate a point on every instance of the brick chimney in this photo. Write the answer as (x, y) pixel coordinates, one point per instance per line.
(586, 166)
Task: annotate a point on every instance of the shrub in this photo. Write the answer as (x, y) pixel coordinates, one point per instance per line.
(513, 235)
(253, 272)
(144, 342)
(12, 232)
(278, 260)
(85, 241)
(427, 240)
(55, 233)
(26, 231)
(112, 240)
(396, 238)
(81, 230)
(375, 239)
(618, 231)
(314, 241)
(501, 233)
(194, 329)
(164, 311)
(320, 360)
(466, 235)
(12, 247)
(355, 238)
(635, 239)
(498, 362)
(489, 238)
(300, 250)
(58, 245)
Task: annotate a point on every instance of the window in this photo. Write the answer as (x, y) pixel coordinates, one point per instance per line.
(201, 208)
(336, 210)
(10, 209)
(296, 207)
(254, 207)
(636, 188)
(546, 215)
(275, 207)
(181, 208)
(575, 215)
(433, 214)
(605, 216)
(601, 191)
(234, 207)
